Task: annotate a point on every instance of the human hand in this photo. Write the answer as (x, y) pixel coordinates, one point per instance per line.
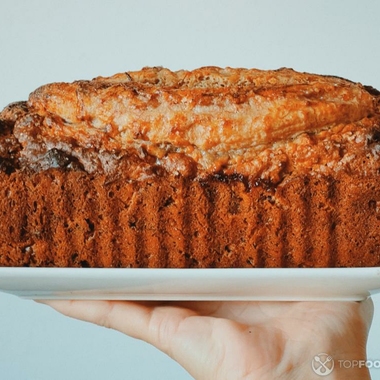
(240, 340)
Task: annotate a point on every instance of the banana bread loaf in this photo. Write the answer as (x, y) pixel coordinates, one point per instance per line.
(192, 169)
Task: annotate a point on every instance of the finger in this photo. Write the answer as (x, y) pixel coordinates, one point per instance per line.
(153, 322)
(177, 331)
(130, 318)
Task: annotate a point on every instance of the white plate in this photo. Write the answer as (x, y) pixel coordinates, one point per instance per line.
(191, 284)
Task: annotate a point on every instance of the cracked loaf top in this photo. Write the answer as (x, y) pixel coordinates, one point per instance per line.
(245, 121)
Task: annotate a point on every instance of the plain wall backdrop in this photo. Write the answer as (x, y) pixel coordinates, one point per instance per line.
(45, 41)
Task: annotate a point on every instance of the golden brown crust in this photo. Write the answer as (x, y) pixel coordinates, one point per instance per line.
(221, 118)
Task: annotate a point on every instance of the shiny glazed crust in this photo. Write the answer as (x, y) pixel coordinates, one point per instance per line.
(221, 118)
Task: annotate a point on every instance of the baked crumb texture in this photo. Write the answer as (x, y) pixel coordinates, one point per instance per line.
(210, 168)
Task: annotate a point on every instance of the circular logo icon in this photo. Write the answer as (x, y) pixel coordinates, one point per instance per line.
(322, 364)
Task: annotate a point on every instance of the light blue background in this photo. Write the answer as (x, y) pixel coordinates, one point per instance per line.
(45, 41)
